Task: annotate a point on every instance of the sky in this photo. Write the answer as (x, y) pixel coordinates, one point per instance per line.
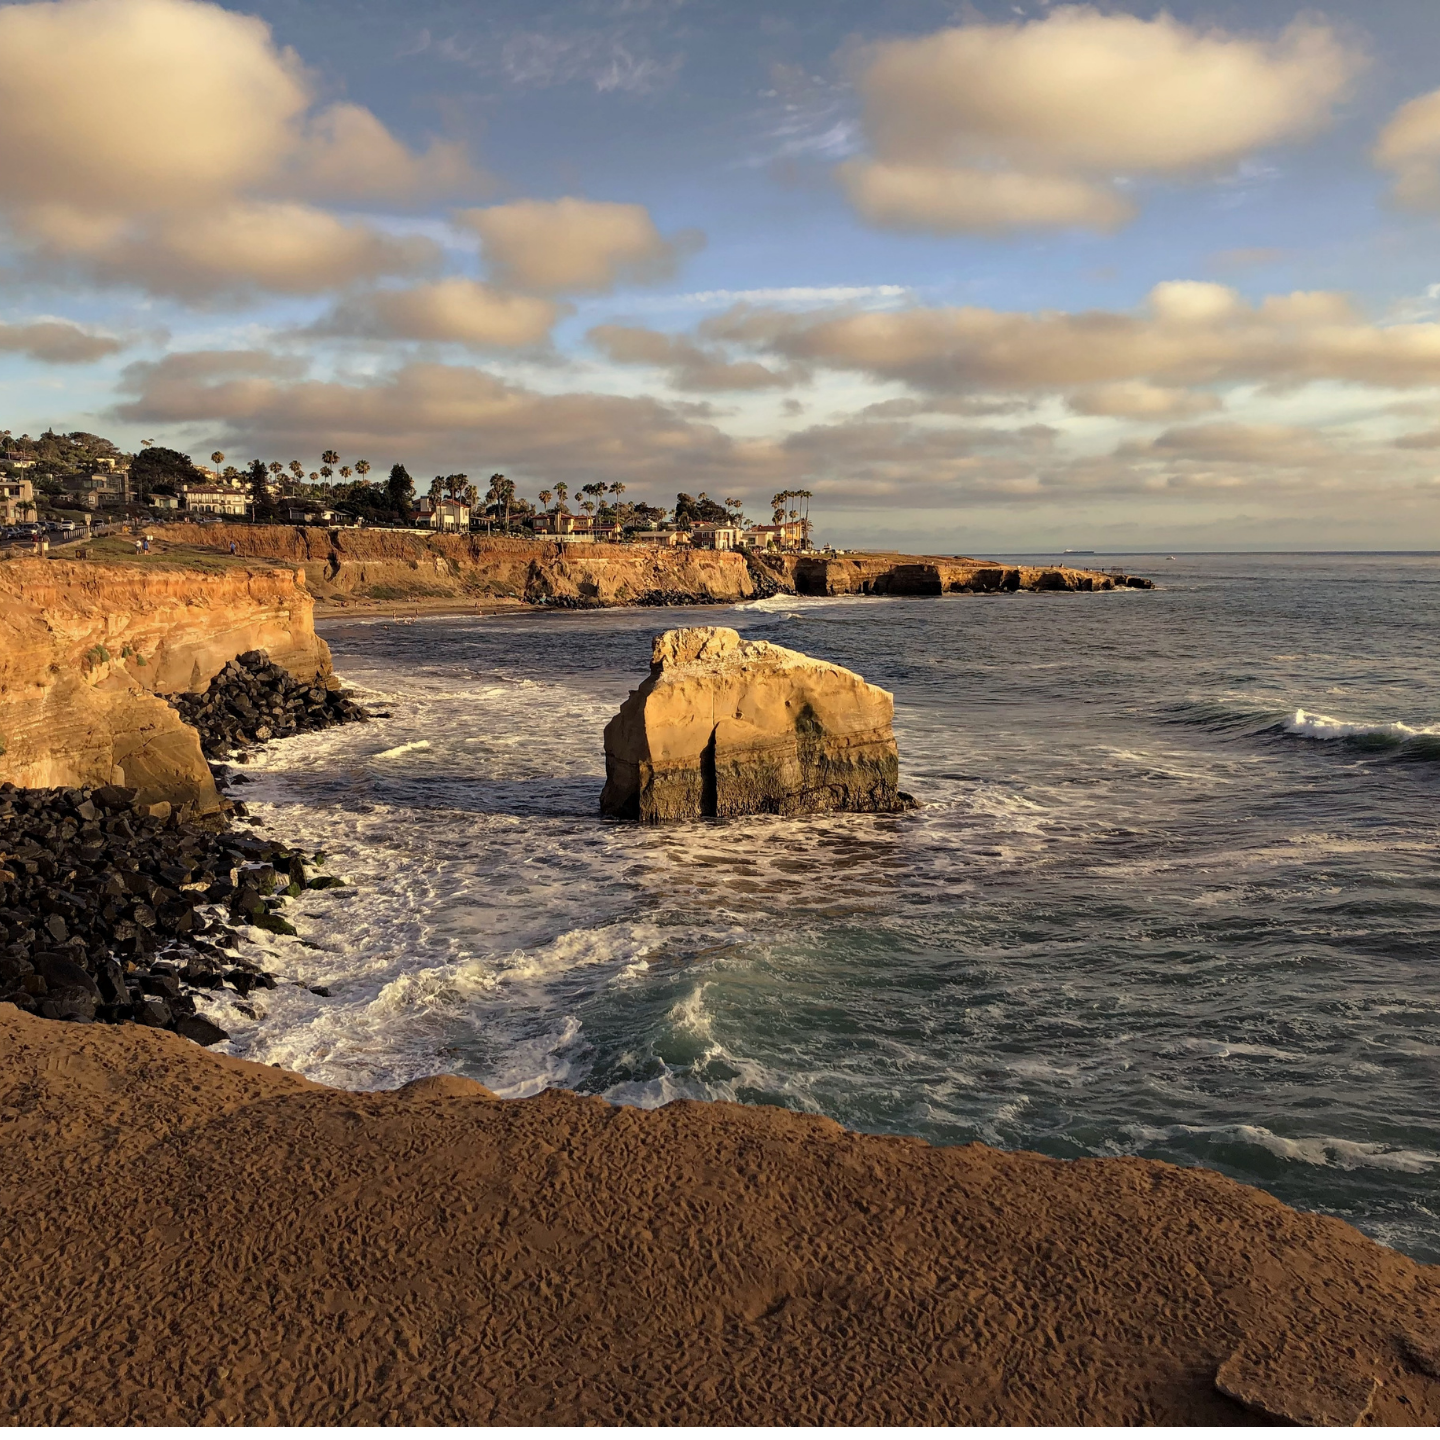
(982, 277)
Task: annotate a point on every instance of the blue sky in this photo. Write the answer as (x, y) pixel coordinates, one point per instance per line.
(981, 276)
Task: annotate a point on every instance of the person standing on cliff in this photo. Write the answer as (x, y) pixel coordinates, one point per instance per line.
(233, 548)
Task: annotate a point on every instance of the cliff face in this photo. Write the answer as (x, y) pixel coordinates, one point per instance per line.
(725, 726)
(341, 565)
(84, 648)
(937, 575)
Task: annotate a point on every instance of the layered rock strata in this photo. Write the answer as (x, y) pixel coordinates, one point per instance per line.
(84, 649)
(343, 567)
(725, 726)
(940, 575)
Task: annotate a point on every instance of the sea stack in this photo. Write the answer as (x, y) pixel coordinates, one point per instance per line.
(725, 726)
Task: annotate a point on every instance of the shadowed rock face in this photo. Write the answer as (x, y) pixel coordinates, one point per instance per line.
(725, 726)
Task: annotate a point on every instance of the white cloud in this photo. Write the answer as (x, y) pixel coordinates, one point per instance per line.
(996, 126)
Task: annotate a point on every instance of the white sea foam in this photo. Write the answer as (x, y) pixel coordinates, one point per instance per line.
(796, 605)
(1323, 727)
(1321, 1151)
(404, 749)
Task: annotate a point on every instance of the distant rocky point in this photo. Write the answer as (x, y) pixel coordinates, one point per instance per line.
(725, 726)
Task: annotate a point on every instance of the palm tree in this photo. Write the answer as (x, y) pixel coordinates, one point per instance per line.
(329, 458)
(314, 476)
(362, 469)
(275, 467)
(346, 472)
(544, 498)
(562, 490)
(216, 456)
(588, 506)
(502, 493)
(617, 490)
(325, 471)
(471, 496)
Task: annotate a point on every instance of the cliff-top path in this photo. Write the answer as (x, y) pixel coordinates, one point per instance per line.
(190, 1239)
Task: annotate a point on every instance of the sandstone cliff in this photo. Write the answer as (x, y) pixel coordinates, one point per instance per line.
(725, 726)
(892, 574)
(395, 565)
(85, 647)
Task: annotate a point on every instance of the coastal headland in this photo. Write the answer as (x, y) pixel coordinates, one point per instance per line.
(436, 1255)
(193, 1239)
(350, 571)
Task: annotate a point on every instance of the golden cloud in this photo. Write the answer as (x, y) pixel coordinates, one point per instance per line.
(166, 143)
(990, 127)
(1409, 147)
(690, 366)
(57, 342)
(1189, 333)
(454, 309)
(439, 415)
(575, 245)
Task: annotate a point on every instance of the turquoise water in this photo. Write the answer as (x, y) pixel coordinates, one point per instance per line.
(1173, 890)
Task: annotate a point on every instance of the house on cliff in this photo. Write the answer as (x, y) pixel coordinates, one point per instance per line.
(215, 499)
(707, 536)
(448, 516)
(787, 535)
(17, 501)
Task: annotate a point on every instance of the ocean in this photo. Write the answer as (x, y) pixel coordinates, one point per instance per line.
(1173, 889)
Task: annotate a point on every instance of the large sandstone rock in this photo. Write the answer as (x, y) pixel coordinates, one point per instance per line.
(725, 726)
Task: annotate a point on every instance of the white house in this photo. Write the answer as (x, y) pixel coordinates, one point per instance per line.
(215, 500)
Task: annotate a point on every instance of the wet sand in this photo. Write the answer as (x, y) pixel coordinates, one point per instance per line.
(193, 1239)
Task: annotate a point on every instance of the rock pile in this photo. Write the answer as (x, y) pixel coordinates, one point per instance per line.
(253, 700)
(108, 908)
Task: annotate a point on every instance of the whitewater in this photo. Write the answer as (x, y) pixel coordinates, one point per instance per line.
(1173, 889)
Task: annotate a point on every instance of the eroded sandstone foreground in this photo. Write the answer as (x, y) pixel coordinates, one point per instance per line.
(187, 1239)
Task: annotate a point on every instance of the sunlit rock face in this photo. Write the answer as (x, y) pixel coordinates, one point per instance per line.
(725, 726)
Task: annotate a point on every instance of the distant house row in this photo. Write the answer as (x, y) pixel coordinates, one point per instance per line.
(213, 496)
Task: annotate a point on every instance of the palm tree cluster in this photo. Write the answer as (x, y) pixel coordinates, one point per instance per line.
(800, 512)
(500, 502)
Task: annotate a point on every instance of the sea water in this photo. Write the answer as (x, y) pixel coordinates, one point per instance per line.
(1173, 889)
